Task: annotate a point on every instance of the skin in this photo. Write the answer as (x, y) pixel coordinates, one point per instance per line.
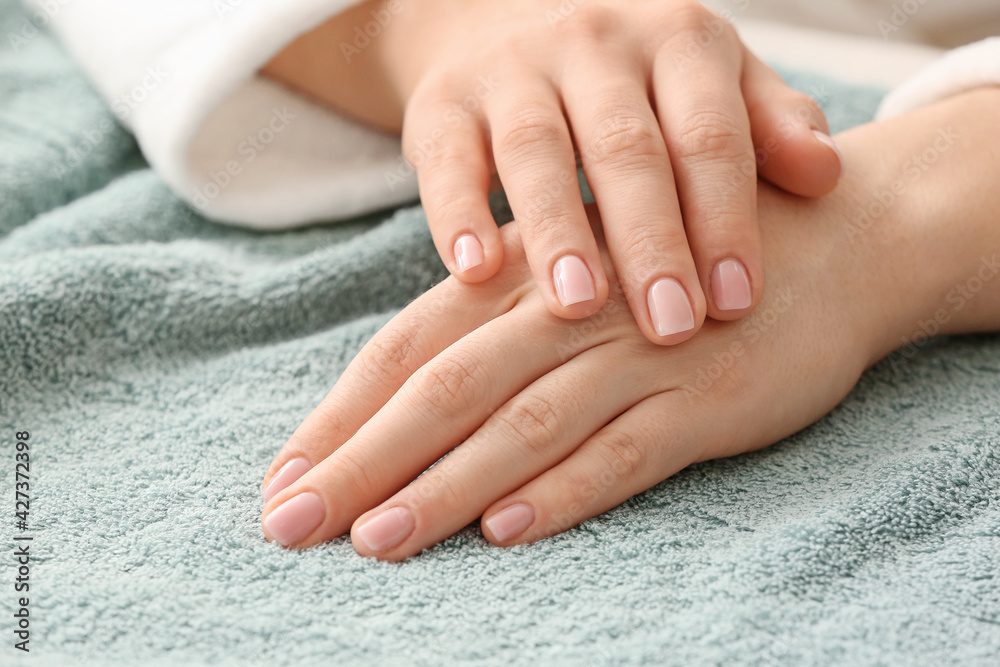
(646, 92)
(573, 418)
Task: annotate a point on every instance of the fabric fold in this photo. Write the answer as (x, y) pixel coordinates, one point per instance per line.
(240, 148)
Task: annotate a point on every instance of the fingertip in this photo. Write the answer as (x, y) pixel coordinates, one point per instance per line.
(472, 262)
(672, 313)
(732, 289)
(288, 473)
(790, 134)
(828, 141)
(808, 164)
(291, 521)
(509, 524)
(580, 289)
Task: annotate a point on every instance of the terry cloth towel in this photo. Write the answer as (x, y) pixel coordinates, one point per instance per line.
(159, 361)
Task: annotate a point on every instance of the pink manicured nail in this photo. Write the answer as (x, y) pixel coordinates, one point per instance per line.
(510, 521)
(669, 307)
(286, 474)
(295, 518)
(572, 280)
(828, 140)
(387, 529)
(468, 252)
(731, 286)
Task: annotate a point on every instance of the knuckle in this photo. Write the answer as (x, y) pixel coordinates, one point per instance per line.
(446, 157)
(457, 208)
(326, 420)
(448, 387)
(434, 489)
(438, 86)
(533, 421)
(689, 17)
(358, 474)
(529, 127)
(657, 243)
(546, 219)
(622, 138)
(711, 136)
(622, 454)
(392, 351)
(591, 21)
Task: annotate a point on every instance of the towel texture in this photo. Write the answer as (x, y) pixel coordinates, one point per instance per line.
(159, 361)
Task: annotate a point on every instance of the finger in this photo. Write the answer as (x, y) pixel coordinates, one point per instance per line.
(535, 161)
(707, 131)
(629, 171)
(446, 145)
(408, 341)
(528, 435)
(794, 150)
(634, 452)
(436, 408)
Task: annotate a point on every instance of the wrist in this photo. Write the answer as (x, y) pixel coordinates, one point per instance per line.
(343, 64)
(919, 209)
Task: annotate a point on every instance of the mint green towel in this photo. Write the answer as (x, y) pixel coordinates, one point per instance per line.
(159, 361)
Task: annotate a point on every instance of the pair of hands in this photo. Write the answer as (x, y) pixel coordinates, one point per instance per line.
(544, 422)
(671, 116)
(547, 422)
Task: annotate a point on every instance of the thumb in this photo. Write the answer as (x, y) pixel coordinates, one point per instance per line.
(790, 133)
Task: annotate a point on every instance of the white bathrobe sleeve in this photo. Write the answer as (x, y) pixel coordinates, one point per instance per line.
(182, 74)
(960, 70)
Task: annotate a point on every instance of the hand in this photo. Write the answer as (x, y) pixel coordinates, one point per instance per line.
(648, 92)
(546, 422)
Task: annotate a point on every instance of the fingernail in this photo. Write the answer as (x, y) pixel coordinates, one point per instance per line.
(828, 140)
(286, 474)
(510, 521)
(387, 529)
(295, 518)
(669, 307)
(572, 280)
(731, 286)
(468, 252)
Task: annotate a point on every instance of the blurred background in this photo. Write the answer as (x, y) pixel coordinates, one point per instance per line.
(940, 23)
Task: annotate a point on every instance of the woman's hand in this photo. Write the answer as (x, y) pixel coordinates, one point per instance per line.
(543, 423)
(648, 93)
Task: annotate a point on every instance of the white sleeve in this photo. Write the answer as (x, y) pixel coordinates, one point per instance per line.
(182, 75)
(965, 68)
